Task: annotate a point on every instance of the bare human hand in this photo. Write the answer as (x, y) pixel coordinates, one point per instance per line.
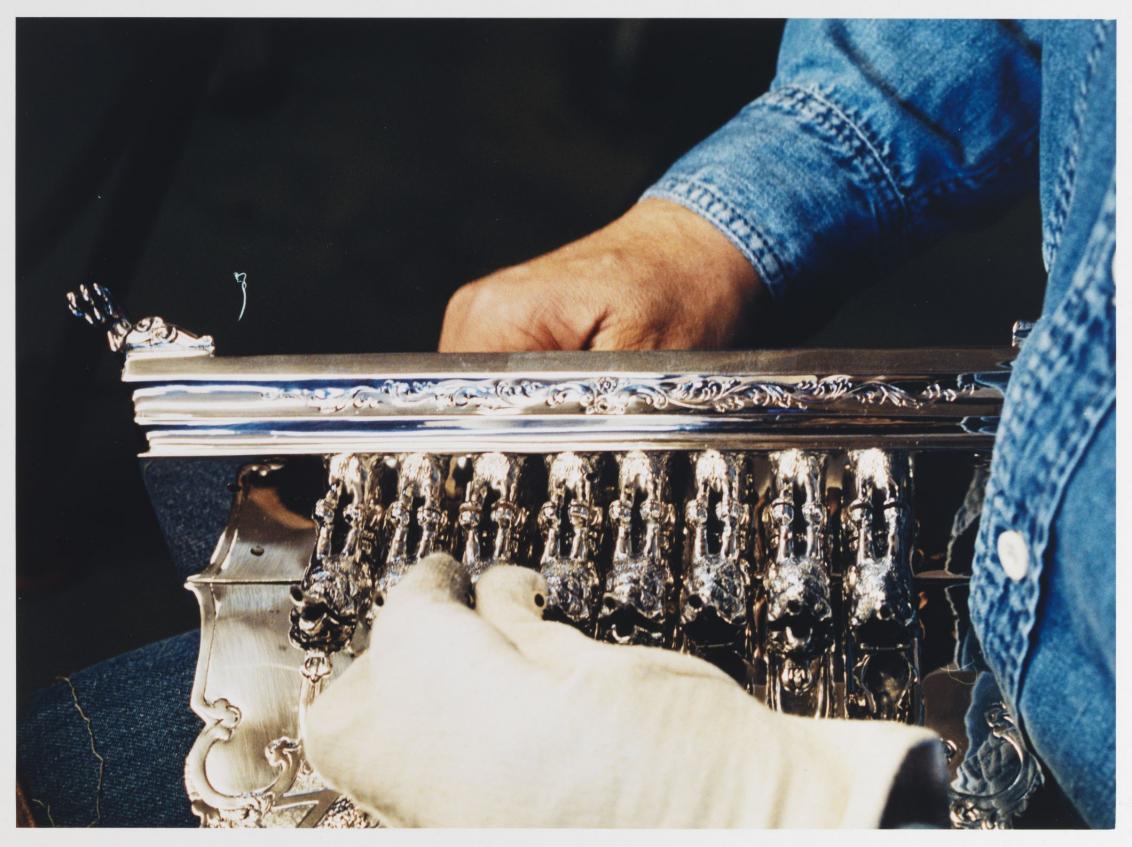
(658, 277)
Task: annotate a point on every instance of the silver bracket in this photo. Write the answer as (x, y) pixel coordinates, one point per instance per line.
(151, 336)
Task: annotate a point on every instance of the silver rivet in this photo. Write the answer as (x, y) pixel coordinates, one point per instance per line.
(1013, 554)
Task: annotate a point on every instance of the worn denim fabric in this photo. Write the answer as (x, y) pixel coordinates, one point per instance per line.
(874, 136)
(877, 135)
(126, 768)
(192, 499)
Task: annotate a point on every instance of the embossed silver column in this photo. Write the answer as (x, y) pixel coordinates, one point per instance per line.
(799, 627)
(881, 639)
(570, 524)
(418, 524)
(491, 516)
(337, 587)
(715, 591)
(637, 604)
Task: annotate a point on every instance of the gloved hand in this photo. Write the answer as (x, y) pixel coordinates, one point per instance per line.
(493, 717)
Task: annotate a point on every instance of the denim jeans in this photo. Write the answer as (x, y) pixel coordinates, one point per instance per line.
(125, 767)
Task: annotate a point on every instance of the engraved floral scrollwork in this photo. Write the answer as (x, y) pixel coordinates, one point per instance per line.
(343, 814)
(212, 807)
(618, 395)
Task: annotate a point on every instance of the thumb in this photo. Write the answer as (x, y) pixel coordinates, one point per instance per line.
(512, 599)
(511, 596)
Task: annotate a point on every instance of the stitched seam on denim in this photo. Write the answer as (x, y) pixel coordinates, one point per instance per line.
(1032, 516)
(707, 202)
(1067, 333)
(1067, 169)
(1074, 333)
(1054, 500)
(916, 198)
(1020, 604)
(1081, 321)
(814, 107)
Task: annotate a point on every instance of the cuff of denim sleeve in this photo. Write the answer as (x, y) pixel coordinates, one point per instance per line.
(710, 203)
(796, 186)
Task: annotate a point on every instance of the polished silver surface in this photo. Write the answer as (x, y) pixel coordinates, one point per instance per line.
(935, 365)
(601, 521)
(250, 689)
(336, 591)
(1020, 332)
(557, 402)
(491, 518)
(638, 596)
(417, 522)
(539, 437)
(882, 639)
(995, 785)
(548, 393)
(799, 621)
(715, 597)
(571, 522)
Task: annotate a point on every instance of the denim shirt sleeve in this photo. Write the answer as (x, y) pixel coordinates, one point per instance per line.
(875, 136)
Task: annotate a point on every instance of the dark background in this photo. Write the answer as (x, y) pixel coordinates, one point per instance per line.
(357, 172)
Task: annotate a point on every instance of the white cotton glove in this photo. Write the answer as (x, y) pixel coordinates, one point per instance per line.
(494, 717)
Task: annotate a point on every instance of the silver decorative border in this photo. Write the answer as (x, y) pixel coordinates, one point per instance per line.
(612, 395)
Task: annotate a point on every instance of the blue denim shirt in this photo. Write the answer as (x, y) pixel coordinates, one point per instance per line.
(878, 135)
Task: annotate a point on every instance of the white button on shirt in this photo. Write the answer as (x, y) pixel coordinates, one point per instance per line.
(1013, 554)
